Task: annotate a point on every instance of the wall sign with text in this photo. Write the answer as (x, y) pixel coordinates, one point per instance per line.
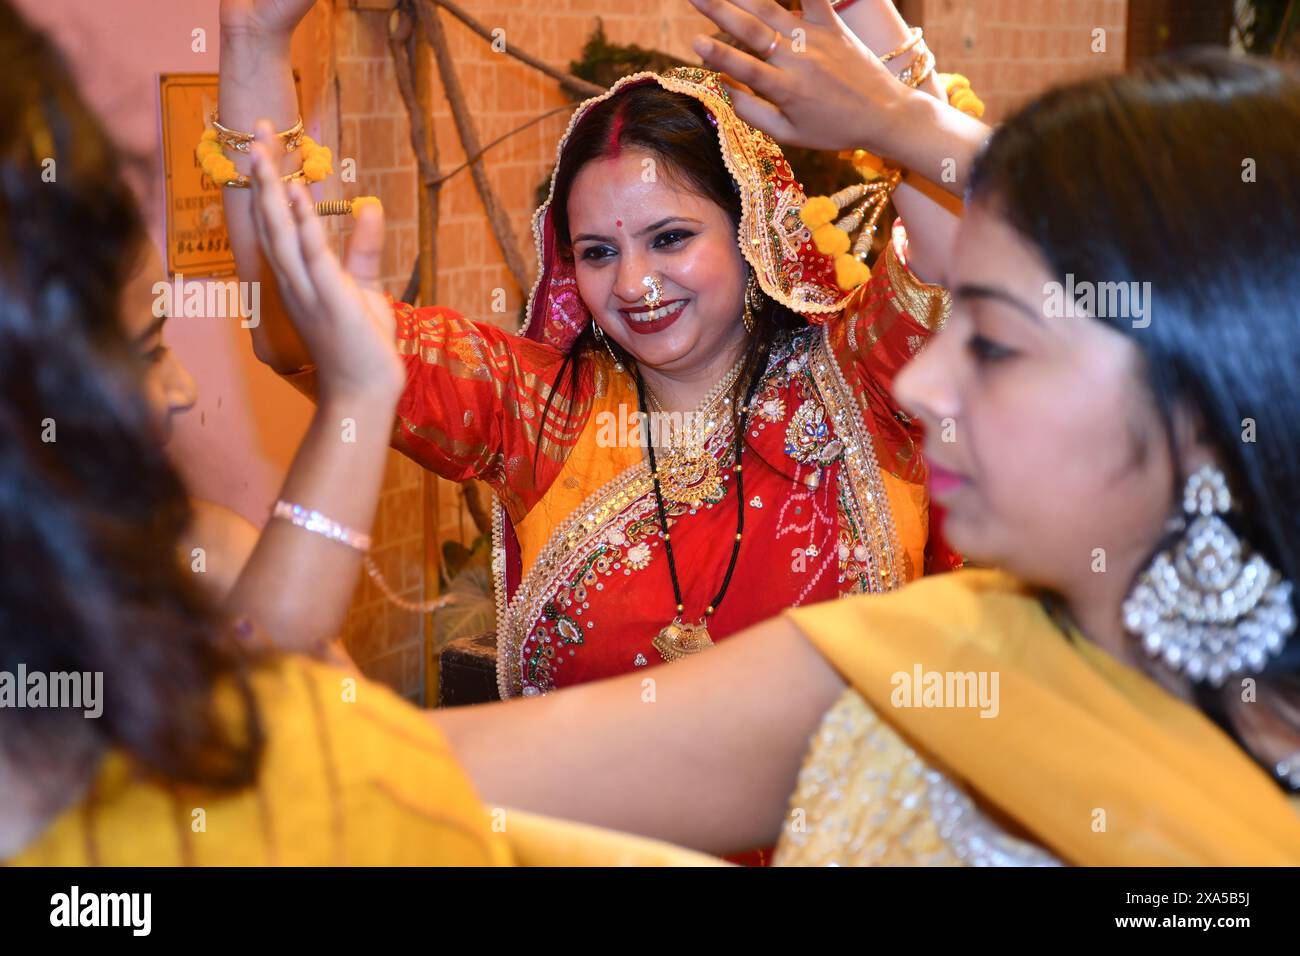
(197, 243)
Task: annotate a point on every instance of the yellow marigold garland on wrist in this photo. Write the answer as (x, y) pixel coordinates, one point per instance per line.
(216, 165)
(317, 162)
(960, 94)
(832, 226)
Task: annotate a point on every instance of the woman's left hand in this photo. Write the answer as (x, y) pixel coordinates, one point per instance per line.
(821, 88)
(343, 318)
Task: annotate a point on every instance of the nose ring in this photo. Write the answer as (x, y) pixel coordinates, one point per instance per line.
(656, 293)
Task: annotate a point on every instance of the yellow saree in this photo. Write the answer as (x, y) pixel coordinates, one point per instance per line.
(1066, 755)
(350, 775)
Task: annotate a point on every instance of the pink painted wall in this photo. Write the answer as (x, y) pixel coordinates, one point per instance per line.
(236, 443)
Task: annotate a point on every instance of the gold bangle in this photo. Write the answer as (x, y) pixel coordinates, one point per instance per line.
(235, 139)
(316, 162)
(912, 41)
(919, 70)
(244, 182)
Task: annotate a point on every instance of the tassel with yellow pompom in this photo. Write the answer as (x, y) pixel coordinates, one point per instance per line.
(862, 205)
(361, 202)
(833, 219)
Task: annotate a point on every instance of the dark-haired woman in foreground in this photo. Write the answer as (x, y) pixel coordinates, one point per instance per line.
(1126, 688)
(192, 746)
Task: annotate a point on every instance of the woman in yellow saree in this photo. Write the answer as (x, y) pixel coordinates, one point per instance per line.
(189, 741)
(1123, 690)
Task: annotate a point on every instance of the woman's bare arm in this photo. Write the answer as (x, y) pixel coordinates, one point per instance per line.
(256, 83)
(703, 752)
(836, 94)
(296, 584)
(931, 216)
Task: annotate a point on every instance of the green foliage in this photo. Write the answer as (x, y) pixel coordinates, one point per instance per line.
(604, 63)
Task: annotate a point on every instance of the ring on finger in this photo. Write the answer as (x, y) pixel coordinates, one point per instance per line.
(776, 42)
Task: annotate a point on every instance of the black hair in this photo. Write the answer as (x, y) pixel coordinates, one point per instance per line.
(1185, 173)
(678, 131)
(91, 511)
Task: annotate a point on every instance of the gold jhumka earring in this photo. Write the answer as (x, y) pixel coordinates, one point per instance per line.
(753, 302)
(600, 337)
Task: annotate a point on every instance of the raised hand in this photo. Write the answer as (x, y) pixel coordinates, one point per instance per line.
(834, 93)
(343, 319)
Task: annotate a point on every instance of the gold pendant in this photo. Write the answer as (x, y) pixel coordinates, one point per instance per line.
(679, 640)
(689, 476)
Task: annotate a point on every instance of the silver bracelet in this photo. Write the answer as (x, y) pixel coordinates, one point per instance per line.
(317, 523)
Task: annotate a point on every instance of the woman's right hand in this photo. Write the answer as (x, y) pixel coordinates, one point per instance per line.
(835, 93)
(343, 319)
(830, 92)
(263, 17)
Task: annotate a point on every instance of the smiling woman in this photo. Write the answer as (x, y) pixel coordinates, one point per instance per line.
(140, 722)
(675, 278)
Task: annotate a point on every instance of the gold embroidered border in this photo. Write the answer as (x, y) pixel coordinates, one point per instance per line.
(568, 545)
(867, 490)
(928, 305)
(499, 584)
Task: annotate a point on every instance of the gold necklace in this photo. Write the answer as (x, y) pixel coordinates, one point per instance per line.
(688, 473)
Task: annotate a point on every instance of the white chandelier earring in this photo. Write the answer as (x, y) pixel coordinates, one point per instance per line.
(655, 295)
(1207, 606)
(600, 337)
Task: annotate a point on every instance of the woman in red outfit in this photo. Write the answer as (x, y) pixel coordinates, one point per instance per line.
(676, 277)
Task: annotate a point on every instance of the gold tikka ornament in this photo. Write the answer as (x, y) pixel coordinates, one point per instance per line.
(1207, 607)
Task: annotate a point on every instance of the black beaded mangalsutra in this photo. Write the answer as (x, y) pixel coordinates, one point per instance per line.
(679, 639)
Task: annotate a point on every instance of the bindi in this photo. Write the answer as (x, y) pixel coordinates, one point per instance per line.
(618, 223)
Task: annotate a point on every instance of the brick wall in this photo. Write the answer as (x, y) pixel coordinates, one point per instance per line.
(1161, 26)
(1013, 49)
